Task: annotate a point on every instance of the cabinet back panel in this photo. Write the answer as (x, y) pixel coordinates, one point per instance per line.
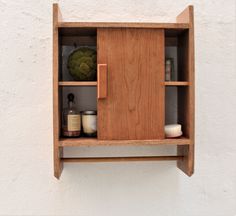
(134, 106)
(183, 56)
(183, 110)
(171, 105)
(85, 97)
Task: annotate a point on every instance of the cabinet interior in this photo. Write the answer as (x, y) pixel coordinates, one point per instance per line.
(176, 47)
(176, 107)
(176, 97)
(69, 40)
(85, 98)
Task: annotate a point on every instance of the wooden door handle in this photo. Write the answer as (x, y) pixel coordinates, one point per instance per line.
(102, 81)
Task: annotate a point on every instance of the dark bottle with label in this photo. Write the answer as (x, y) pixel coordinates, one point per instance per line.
(71, 124)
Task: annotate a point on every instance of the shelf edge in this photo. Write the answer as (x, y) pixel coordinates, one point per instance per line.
(122, 25)
(94, 142)
(78, 83)
(176, 83)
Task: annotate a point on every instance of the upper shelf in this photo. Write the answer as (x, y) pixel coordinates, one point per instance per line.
(77, 83)
(176, 83)
(122, 25)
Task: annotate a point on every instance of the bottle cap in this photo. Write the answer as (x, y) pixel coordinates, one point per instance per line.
(70, 97)
(89, 112)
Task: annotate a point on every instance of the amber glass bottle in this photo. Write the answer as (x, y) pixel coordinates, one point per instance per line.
(71, 124)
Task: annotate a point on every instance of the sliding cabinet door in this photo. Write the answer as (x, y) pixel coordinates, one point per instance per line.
(130, 83)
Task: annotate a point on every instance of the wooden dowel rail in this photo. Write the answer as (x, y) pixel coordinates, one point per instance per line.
(121, 159)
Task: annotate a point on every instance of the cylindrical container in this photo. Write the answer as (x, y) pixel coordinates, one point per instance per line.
(89, 123)
(173, 130)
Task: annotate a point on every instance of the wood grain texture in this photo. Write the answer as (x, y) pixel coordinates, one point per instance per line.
(96, 142)
(134, 107)
(122, 25)
(121, 159)
(187, 98)
(77, 83)
(56, 116)
(102, 81)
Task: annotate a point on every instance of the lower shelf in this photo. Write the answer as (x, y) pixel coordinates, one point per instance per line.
(95, 142)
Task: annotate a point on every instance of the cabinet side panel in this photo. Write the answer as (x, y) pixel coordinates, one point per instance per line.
(134, 107)
(187, 118)
(56, 127)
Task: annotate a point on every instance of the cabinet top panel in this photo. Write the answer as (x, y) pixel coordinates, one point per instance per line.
(122, 25)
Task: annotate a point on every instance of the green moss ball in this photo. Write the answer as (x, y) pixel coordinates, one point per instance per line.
(82, 64)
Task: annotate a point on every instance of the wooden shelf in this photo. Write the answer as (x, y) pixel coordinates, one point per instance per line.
(114, 104)
(176, 83)
(77, 83)
(122, 25)
(94, 83)
(95, 142)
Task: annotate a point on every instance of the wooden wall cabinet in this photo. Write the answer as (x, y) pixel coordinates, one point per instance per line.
(132, 96)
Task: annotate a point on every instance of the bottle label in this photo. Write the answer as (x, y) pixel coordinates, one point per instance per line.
(74, 123)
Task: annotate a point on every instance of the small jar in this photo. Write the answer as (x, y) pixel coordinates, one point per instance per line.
(89, 123)
(173, 130)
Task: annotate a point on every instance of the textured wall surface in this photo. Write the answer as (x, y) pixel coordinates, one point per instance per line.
(27, 185)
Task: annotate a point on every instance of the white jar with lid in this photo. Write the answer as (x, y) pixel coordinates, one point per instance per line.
(89, 123)
(173, 130)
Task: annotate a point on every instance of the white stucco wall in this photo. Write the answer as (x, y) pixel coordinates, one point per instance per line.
(27, 185)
